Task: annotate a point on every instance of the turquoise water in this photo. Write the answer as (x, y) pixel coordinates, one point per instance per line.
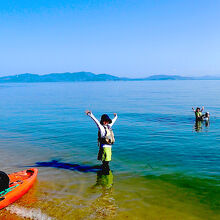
(157, 139)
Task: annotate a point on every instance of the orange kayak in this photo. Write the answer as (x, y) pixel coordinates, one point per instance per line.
(20, 183)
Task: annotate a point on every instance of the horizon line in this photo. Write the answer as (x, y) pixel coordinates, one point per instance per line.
(138, 77)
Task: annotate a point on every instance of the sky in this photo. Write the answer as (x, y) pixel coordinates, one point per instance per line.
(133, 38)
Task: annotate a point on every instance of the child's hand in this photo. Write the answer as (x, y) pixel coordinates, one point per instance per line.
(115, 114)
(88, 112)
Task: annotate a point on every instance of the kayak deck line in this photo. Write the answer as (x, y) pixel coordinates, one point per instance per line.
(3, 193)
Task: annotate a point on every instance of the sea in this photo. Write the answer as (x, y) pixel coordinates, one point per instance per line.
(164, 165)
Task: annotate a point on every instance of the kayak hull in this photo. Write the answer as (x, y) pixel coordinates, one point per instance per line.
(20, 183)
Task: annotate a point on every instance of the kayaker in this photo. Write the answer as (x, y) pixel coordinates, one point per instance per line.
(4, 181)
(198, 113)
(105, 138)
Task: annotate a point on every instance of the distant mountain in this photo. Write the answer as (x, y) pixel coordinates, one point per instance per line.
(58, 77)
(167, 77)
(88, 76)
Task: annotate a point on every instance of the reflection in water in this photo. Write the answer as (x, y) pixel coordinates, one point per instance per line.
(207, 123)
(199, 125)
(104, 179)
(104, 205)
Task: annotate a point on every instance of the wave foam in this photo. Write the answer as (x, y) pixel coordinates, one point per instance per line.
(31, 213)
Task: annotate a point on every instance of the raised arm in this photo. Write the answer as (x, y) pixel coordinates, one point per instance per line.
(193, 109)
(202, 108)
(100, 127)
(114, 119)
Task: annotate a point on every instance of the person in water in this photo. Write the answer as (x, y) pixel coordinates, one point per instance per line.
(206, 116)
(105, 138)
(4, 181)
(198, 113)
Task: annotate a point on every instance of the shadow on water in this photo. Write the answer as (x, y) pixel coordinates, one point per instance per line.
(69, 166)
(104, 177)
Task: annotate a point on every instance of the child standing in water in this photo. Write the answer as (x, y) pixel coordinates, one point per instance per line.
(105, 138)
(198, 113)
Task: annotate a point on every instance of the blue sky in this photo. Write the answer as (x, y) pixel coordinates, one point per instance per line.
(122, 37)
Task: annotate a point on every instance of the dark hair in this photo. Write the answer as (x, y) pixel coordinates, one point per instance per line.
(4, 181)
(206, 114)
(106, 118)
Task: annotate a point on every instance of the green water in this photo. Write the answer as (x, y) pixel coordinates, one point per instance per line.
(164, 165)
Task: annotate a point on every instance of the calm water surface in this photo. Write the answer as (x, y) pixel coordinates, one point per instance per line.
(164, 165)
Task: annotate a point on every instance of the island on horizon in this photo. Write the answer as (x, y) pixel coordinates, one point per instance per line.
(89, 76)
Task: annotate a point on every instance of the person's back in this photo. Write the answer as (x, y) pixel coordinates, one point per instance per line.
(105, 138)
(4, 181)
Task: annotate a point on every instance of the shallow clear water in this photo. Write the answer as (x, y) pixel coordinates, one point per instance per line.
(164, 165)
